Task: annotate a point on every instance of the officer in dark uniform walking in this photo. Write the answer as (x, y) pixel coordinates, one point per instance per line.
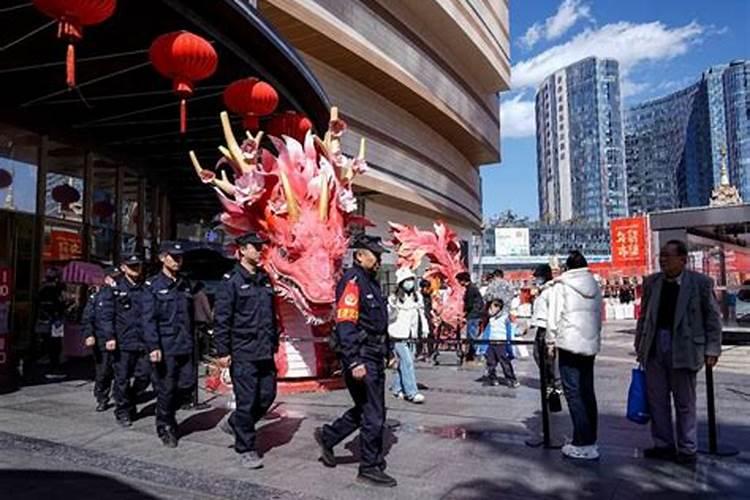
(247, 337)
(93, 331)
(361, 339)
(123, 327)
(168, 335)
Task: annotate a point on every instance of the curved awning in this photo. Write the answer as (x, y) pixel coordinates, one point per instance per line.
(123, 109)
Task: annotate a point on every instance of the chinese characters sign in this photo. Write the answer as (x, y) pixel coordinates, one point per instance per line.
(62, 245)
(629, 242)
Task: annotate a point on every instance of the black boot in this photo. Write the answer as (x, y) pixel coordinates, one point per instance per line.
(102, 406)
(376, 477)
(168, 437)
(326, 452)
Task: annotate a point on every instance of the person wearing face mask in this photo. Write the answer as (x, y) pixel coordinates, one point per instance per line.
(405, 318)
(543, 281)
(499, 327)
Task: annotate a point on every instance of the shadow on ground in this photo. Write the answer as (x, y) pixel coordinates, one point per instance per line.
(18, 484)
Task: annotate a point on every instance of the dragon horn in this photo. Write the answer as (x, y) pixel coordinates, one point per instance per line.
(324, 194)
(222, 184)
(234, 149)
(291, 201)
(361, 154)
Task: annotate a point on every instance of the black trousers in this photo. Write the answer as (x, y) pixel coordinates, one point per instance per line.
(577, 374)
(540, 352)
(254, 385)
(368, 415)
(103, 361)
(129, 365)
(169, 375)
(496, 355)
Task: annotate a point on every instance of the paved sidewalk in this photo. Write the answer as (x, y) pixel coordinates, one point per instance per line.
(465, 442)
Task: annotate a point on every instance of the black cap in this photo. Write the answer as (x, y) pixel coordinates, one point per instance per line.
(132, 260)
(172, 247)
(111, 271)
(250, 238)
(368, 242)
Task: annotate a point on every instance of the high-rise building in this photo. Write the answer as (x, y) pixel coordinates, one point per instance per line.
(580, 144)
(736, 80)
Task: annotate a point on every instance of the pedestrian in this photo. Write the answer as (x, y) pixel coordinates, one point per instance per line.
(360, 338)
(168, 333)
(500, 328)
(50, 321)
(574, 325)
(500, 288)
(406, 318)
(679, 330)
(94, 334)
(123, 332)
(202, 319)
(425, 288)
(543, 281)
(473, 312)
(247, 337)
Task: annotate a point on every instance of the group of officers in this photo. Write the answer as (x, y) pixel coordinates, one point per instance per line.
(142, 333)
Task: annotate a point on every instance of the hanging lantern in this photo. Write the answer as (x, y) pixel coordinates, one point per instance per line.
(251, 98)
(184, 58)
(72, 16)
(289, 123)
(103, 209)
(302, 125)
(6, 179)
(65, 194)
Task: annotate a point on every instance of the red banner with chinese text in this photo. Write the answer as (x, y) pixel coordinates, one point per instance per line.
(629, 242)
(62, 246)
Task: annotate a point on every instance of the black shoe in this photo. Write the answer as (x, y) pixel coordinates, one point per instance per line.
(168, 438)
(686, 458)
(376, 477)
(326, 452)
(124, 422)
(660, 453)
(102, 406)
(226, 427)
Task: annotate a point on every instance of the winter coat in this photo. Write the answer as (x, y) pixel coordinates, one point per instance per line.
(406, 317)
(574, 319)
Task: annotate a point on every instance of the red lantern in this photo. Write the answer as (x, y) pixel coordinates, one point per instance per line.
(290, 123)
(6, 179)
(65, 194)
(72, 16)
(251, 98)
(184, 58)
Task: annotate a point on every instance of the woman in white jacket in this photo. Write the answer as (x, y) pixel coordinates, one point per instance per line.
(405, 313)
(574, 325)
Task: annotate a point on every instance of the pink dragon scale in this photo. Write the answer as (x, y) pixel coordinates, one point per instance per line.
(300, 199)
(443, 251)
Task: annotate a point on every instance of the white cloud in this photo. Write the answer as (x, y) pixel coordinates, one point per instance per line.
(630, 44)
(567, 15)
(517, 117)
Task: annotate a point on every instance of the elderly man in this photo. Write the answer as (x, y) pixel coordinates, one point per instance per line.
(679, 329)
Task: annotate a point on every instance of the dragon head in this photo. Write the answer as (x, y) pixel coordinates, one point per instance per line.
(300, 198)
(443, 251)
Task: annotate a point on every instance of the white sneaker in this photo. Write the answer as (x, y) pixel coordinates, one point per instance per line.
(398, 395)
(581, 452)
(417, 399)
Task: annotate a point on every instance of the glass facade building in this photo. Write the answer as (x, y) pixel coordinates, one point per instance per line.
(580, 144)
(736, 87)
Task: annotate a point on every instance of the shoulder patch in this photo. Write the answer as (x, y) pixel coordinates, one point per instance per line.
(347, 308)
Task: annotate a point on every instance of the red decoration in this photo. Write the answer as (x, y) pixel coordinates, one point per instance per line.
(103, 209)
(65, 194)
(251, 98)
(290, 123)
(72, 16)
(6, 179)
(184, 58)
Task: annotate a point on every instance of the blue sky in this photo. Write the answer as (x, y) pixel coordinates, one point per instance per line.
(662, 46)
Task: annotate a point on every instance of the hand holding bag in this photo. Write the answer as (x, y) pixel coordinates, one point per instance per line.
(637, 401)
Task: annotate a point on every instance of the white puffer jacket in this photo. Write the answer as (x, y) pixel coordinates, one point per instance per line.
(574, 318)
(404, 317)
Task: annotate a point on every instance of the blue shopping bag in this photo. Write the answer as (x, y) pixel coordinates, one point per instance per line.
(637, 400)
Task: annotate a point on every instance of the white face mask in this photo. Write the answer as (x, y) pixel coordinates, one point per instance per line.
(408, 285)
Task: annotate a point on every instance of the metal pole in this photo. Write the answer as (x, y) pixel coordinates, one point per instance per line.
(712, 445)
(543, 391)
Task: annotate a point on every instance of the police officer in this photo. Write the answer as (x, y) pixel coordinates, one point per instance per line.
(123, 328)
(93, 331)
(168, 334)
(361, 340)
(247, 336)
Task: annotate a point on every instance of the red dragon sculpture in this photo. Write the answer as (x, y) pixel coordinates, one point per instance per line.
(443, 251)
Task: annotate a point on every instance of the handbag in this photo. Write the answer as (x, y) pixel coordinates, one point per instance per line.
(637, 410)
(553, 401)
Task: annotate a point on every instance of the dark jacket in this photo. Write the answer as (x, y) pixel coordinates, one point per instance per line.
(473, 303)
(122, 317)
(168, 315)
(88, 315)
(361, 318)
(245, 323)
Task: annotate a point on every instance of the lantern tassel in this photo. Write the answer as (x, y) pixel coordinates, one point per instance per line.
(183, 116)
(70, 66)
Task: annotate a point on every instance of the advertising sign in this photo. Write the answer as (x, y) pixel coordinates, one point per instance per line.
(6, 290)
(629, 242)
(511, 241)
(63, 245)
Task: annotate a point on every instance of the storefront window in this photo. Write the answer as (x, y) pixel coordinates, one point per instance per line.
(103, 210)
(129, 213)
(19, 154)
(64, 197)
